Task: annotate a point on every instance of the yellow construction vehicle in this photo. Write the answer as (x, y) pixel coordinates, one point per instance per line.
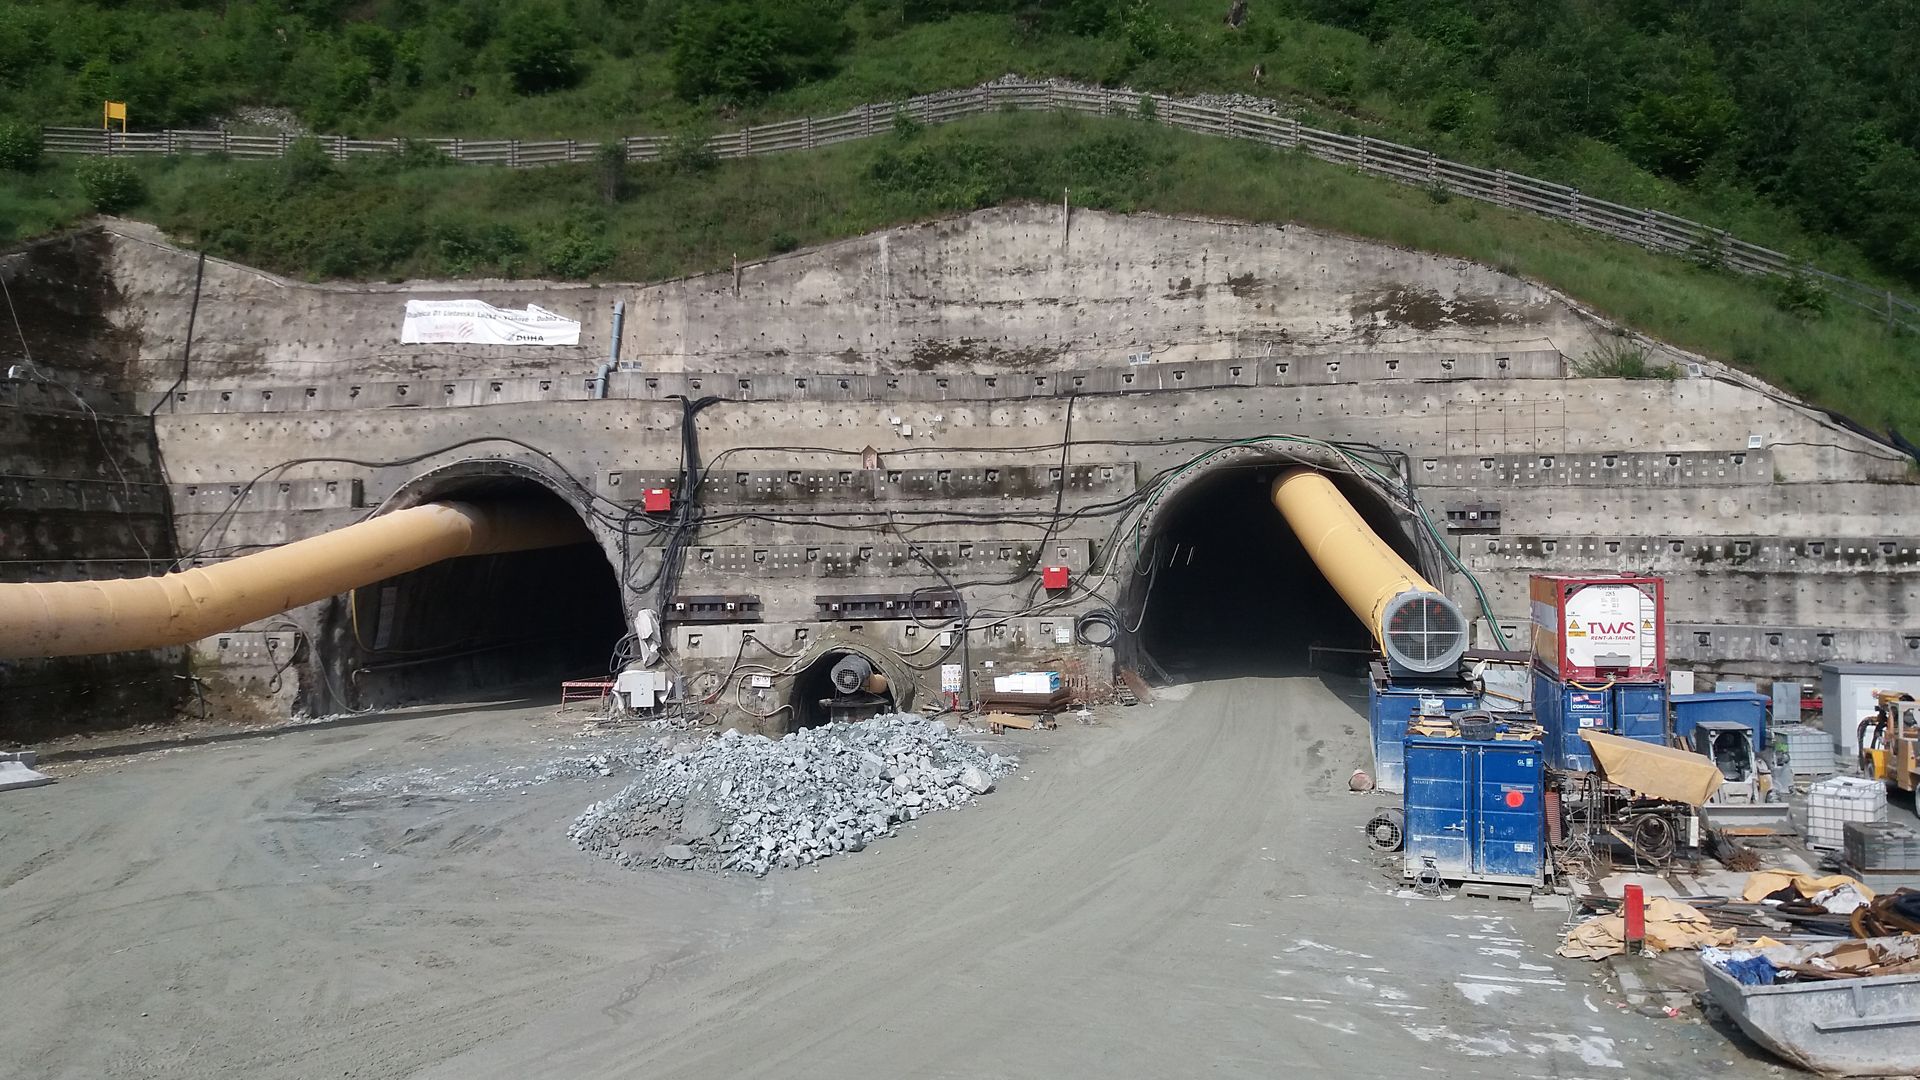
(1890, 740)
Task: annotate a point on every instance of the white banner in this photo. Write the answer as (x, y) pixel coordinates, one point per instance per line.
(476, 322)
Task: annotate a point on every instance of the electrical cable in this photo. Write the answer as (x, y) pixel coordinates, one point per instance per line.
(222, 518)
(691, 517)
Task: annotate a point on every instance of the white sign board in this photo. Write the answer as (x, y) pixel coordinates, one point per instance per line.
(476, 322)
(950, 678)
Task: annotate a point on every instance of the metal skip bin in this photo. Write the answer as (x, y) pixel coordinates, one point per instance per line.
(1473, 809)
(1633, 710)
(1390, 707)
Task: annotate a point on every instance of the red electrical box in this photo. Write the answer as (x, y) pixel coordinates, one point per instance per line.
(1591, 629)
(656, 500)
(1053, 577)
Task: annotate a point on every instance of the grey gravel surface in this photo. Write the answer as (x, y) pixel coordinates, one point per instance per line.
(1179, 890)
(753, 804)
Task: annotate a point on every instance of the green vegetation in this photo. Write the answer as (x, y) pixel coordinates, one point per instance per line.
(415, 215)
(1786, 122)
(1623, 360)
(110, 184)
(19, 146)
(1789, 122)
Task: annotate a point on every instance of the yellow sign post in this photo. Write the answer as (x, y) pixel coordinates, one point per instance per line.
(115, 110)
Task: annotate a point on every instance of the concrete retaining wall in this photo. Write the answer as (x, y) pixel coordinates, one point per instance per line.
(934, 367)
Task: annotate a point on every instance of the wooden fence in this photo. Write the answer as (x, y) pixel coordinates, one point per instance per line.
(1652, 229)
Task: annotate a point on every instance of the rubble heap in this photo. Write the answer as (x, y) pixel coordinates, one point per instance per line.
(750, 803)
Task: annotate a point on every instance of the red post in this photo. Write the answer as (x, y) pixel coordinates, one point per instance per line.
(1635, 910)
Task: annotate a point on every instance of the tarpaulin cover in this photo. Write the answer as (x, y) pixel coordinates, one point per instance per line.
(1764, 883)
(1670, 925)
(1659, 772)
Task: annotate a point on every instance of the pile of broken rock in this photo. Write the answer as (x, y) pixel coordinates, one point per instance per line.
(750, 803)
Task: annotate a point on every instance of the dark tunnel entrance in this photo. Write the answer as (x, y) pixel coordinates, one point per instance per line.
(1223, 588)
(481, 626)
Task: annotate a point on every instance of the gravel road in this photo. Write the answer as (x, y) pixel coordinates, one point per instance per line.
(1182, 889)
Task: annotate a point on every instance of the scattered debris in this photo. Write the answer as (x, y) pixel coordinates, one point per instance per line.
(1898, 913)
(1670, 924)
(1766, 883)
(1830, 1007)
(997, 722)
(750, 803)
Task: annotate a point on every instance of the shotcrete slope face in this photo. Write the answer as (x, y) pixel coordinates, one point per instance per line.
(1223, 588)
(949, 353)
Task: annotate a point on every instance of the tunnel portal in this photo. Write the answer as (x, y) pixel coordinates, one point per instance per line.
(1223, 588)
(471, 628)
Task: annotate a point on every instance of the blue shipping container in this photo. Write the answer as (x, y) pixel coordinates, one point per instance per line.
(1389, 707)
(1475, 809)
(1634, 710)
(1750, 709)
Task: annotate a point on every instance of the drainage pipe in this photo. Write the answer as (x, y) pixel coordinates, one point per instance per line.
(605, 373)
(1419, 629)
(78, 618)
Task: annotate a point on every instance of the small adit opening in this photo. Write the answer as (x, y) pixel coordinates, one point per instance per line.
(1223, 588)
(484, 626)
(839, 686)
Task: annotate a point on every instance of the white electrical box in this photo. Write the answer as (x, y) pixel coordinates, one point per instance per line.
(640, 690)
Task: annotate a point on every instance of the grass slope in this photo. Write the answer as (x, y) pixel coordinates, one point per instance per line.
(398, 218)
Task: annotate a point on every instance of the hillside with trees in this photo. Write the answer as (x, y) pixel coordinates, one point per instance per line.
(1790, 124)
(1711, 106)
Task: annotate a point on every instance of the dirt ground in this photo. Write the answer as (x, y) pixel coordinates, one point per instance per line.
(1177, 890)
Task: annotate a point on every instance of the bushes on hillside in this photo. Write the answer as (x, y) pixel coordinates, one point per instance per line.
(579, 250)
(946, 176)
(538, 44)
(110, 184)
(19, 145)
(737, 50)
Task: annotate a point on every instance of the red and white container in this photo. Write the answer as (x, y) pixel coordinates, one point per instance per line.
(1595, 629)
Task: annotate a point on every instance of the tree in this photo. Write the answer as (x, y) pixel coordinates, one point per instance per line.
(539, 43)
(738, 51)
(1675, 132)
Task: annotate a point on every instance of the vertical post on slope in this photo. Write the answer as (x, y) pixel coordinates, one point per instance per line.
(1635, 909)
(605, 374)
(1066, 219)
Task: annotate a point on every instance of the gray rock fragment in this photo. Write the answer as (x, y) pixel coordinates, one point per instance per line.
(749, 803)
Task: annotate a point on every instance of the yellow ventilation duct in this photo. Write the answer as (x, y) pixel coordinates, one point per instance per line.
(1414, 624)
(77, 618)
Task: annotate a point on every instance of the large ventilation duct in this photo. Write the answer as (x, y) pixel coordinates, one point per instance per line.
(1414, 624)
(77, 618)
